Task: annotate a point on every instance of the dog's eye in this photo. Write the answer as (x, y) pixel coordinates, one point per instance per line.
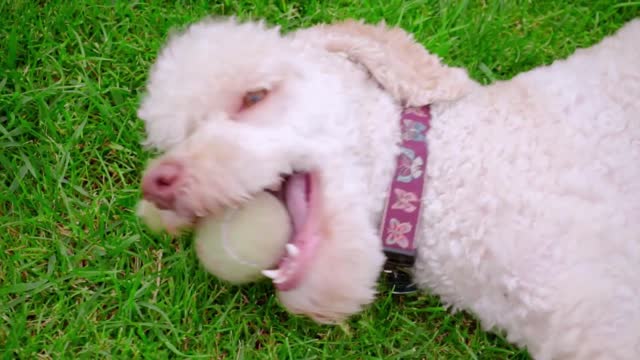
(253, 97)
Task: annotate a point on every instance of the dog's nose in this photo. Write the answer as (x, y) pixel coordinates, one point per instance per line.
(160, 184)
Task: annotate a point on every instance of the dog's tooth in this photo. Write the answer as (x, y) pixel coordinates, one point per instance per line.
(292, 250)
(272, 274)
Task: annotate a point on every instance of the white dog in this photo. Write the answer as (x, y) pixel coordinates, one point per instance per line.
(530, 215)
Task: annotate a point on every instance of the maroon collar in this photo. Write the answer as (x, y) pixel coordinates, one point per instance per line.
(401, 217)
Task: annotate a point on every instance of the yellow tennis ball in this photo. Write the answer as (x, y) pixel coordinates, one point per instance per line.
(150, 215)
(238, 244)
(158, 220)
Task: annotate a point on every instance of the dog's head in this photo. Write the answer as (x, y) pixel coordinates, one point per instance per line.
(239, 108)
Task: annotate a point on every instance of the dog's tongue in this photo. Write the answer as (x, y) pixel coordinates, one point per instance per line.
(297, 200)
(302, 204)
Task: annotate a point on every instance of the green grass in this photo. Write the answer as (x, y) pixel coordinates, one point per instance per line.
(81, 278)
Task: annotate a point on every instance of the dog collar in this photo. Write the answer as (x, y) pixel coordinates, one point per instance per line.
(401, 217)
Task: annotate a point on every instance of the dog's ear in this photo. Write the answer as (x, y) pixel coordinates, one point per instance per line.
(402, 66)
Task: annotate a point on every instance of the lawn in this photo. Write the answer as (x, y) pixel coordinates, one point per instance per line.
(80, 277)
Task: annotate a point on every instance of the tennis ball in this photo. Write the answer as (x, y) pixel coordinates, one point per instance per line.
(150, 215)
(158, 220)
(236, 245)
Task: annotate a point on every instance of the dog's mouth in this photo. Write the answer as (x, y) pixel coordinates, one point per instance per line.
(301, 196)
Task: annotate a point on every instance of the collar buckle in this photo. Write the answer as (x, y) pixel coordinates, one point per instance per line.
(397, 272)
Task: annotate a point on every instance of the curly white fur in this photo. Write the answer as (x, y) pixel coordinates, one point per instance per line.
(532, 208)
